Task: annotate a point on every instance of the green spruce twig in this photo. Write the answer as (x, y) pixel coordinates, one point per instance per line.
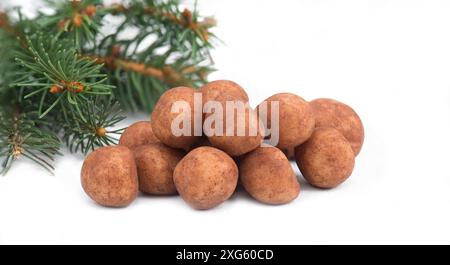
(22, 134)
(68, 73)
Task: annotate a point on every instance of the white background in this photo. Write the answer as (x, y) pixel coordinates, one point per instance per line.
(389, 60)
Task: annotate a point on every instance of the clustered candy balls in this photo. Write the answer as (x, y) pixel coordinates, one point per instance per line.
(323, 136)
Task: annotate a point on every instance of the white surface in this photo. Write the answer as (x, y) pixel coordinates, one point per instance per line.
(390, 60)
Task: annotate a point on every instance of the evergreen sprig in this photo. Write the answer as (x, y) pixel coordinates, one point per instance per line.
(23, 134)
(77, 21)
(68, 74)
(55, 73)
(102, 116)
(142, 69)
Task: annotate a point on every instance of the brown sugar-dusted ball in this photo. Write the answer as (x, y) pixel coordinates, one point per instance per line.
(155, 165)
(206, 177)
(267, 176)
(296, 120)
(109, 176)
(138, 134)
(240, 141)
(222, 90)
(332, 113)
(326, 159)
(162, 117)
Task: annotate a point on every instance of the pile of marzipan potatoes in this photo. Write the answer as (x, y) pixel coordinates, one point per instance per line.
(322, 135)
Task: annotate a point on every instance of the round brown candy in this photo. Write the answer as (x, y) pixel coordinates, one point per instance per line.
(155, 165)
(326, 159)
(223, 90)
(240, 142)
(296, 120)
(267, 176)
(206, 177)
(109, 176)
(163, 117)
(332, 113)
(138, 134)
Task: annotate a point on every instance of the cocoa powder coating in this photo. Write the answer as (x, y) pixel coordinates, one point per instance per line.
(326, 159)
(332, 113)
(109, 176)
(155, 165)
(138, 134)
(267, 176)
(206, 177)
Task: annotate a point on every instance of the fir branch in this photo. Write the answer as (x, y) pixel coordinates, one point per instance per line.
(167, 12)
(102, 115)
(184, 35)
(69, 81)
(167, 73)
(23, 134)
(113, 63)
(143, 70)
(76, 20)
(56, 71)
